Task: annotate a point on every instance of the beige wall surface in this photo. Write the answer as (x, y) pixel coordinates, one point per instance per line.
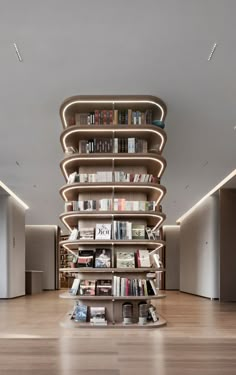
(172, 238)
(199, 250)
(41, 252)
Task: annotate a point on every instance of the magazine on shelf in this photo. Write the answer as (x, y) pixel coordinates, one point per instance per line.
(125, 259)
(138, 231)
(102, 258)
(103, 231)
(87, 288)
(98, 316)
(85, 258)
(86, 233)
(104, 288)
(80, 313)
(143, 258)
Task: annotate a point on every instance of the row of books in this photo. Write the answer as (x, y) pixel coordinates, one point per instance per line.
(109, 176)
(102, 258)
(122, 286)
(116, 145)
(112, 117)
(91, 288)
(116, 204)
(95, 315)
(122, 230)
(118, 287)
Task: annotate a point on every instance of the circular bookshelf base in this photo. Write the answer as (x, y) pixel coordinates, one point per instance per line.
(69, 323)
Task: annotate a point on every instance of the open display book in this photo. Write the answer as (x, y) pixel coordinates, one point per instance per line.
(113, 208)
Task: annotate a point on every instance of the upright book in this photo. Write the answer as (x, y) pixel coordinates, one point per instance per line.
(102, 258)
(87, 288)
(125, 259)
(85, 258)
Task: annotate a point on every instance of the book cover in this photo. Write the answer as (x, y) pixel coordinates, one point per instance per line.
(103, 231)
(86, 233)
(138, 231)
(143, 258)
(97, 313)
(102, 258)
(125, 259)
(104, 288)
(74, 234)
(87, 288)
(85, 258)
(75, 287)
(80, 313)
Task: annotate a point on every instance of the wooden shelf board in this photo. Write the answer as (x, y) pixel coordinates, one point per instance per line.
(71, 218)
(70, 191)
(150, 160)
(72, 135)
(149, 243)
(69, 323)
(66, 295)
(111, 270)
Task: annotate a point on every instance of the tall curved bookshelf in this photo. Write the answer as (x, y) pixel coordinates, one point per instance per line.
(113, 157)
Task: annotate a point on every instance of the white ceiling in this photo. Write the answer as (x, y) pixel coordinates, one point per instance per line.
(151, 47)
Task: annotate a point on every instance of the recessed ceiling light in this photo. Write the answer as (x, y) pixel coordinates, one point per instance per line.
(235, 127)
(212, 51)
(17, 52)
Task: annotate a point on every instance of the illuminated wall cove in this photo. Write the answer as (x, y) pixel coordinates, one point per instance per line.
(112, 195)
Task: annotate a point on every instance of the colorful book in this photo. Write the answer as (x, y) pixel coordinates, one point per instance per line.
(102, 258)
(80, 313)
(85, 258)
(104, 288)
(87, 288)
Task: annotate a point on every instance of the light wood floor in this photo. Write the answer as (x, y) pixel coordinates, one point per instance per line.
(200, 338)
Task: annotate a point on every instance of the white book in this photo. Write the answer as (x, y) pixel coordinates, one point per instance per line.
(74, 235)
(103, 231)
(156, 258)
(129, 230)
(75, 287)
(143, 258)
(71, 178)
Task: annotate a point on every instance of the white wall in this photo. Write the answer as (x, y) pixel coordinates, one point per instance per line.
(12, 248)
(172, 239)
(41, 252)
(199, 250)
(16, 244)
(3, 248)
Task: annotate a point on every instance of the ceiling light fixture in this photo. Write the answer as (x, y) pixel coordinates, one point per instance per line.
(10, 192)
(17, 52)
(212, 51)
(217, 187)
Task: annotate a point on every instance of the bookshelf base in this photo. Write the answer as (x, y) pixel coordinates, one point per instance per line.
(69, 323)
